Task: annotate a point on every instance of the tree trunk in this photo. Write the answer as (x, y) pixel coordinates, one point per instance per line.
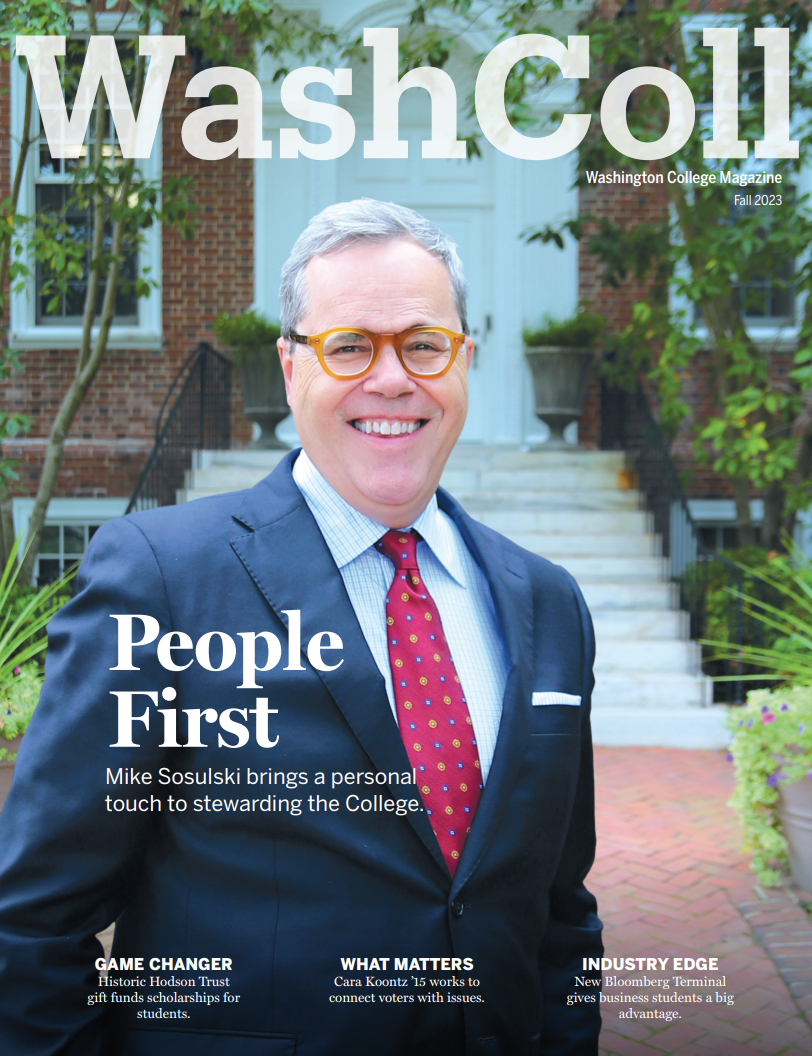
(6, 524)
(91, 352)
(22, 157)
(744, 521)
(774, 498)
(803, 471)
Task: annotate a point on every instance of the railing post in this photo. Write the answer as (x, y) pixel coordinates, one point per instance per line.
(739, 638)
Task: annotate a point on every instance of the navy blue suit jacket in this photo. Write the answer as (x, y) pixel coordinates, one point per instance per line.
(285, 897)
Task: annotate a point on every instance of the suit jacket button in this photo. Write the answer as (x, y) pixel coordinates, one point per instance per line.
(457, 907)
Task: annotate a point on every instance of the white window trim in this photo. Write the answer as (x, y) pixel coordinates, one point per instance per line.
(69, 511)
(24, 333)
(722, 511)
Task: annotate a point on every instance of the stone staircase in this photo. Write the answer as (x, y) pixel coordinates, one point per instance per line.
(575, 508)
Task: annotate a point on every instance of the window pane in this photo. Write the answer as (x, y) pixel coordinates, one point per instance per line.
(707, 534)
(730, 538)
(74, 539)
(55, 199)
(50, 539)
(48, 571)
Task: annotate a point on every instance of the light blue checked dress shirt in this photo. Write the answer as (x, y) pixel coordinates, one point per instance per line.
(455, 581)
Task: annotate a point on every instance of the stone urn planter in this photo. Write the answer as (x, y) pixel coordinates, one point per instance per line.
(252, 340)
(263, 392)
(7, 766)
(559, 383)
(795, 812)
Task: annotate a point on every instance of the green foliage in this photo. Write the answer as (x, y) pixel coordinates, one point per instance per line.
(761, 574)
(17, 703)
(582, 330)
(246, 330)
(772, 744)
(777, 595)
(11, 426)
(712, 259)
(23, 616)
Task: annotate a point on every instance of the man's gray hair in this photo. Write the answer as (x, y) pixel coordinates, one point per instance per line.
(364, 220)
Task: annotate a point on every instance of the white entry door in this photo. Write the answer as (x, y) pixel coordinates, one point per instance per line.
(456, 195)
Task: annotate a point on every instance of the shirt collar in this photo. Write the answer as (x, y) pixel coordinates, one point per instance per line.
(348, 533)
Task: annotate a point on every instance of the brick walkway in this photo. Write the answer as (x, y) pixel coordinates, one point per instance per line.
(672, 881)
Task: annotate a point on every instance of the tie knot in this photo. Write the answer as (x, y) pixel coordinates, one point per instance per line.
(400, 548)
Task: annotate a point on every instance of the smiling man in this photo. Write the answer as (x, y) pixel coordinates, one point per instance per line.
(400, 868)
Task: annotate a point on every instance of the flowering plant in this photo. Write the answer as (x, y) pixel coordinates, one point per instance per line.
(772, 743)
(17, 703)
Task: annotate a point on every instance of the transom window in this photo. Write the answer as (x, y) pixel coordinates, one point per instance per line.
(62, 546)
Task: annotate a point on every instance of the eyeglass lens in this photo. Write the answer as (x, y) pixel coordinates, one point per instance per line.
(426, 352)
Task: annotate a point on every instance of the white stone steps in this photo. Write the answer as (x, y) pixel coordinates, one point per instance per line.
(612, 569)
(227, 478)
(508, 457)
(617, 656)
(640, 625)
(575, 508)
(565, 478)
(261, 458)
(646, 596)
(593, 522)
(505, 499)
(190, 494)
(649, 689)
(558, 545)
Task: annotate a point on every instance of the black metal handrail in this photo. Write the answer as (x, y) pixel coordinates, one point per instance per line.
(198, 419)
(628, 424)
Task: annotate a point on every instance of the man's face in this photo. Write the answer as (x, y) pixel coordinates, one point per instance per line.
(384, 288)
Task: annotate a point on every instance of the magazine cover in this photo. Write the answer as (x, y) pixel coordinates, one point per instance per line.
(405, 457)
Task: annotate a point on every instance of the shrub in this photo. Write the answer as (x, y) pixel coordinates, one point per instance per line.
(778, 598)
(17, 703)
(248, 330)
(762, 573)
(581, 330)
(24, 612)
(772, 743)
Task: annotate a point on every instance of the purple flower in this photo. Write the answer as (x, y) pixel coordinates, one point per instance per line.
(801, 728)
(741, 722)
(16, 670)
(764, 709)
(784, 707)
(769, 717)
(729, 757)
(782, 777)
(809, 773)
(772, 780)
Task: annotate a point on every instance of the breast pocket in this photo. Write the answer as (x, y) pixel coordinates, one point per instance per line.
(555, 714)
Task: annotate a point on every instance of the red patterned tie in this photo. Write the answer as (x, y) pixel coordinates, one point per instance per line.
(431, 708)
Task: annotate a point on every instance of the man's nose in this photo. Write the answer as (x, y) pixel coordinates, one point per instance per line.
(387, 376)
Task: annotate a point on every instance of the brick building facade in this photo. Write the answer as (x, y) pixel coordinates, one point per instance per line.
(221, 268)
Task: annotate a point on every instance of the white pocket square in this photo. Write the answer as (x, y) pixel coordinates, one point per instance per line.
(556, 698)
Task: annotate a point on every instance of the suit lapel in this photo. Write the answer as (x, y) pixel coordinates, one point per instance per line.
(511, 590)
(286, 556)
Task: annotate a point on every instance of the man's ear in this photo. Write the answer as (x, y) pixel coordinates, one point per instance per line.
(469, 351)
(286, 359)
